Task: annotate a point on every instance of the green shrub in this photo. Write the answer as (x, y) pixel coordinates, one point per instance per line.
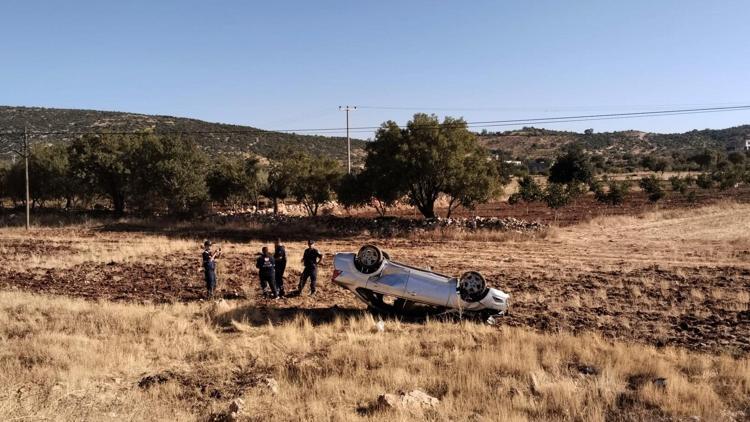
(652, 186)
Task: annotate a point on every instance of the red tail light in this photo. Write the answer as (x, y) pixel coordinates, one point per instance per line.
(336, 273)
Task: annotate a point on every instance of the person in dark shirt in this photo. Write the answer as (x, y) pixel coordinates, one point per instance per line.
(209, 267)
(266, 268)
(311, 258)
(279, 257)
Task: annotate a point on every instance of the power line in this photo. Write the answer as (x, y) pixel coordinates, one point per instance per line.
(487, 123)
(585, 117)
(546, 109)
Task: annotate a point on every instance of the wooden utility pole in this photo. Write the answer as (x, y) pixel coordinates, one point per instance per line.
(26, 170)
(347, 109)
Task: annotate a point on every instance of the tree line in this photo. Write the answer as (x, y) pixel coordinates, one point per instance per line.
(419, 163)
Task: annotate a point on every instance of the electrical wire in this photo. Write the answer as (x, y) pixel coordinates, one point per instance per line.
(361, 129)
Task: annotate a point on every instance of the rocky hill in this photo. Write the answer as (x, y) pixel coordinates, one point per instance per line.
(218, 137)
(543, 143)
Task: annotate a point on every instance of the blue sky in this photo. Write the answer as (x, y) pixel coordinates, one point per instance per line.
(289, 64)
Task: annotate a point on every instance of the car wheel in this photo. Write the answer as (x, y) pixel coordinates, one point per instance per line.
(471, 286)
(368, 259)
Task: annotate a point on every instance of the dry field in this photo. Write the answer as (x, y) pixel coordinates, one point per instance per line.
(102, 325)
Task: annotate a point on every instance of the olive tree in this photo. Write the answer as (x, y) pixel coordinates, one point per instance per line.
(426, 159)
(311, 179)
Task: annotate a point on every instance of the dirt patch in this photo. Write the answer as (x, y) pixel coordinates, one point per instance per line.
(696, 308)
(178, 278)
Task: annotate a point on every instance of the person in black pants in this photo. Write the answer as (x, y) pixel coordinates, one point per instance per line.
(310, 259)
(279, 257)
(265, 266)
(209, 267)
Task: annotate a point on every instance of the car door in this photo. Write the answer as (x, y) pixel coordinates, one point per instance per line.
(430, 288)
(391, 281)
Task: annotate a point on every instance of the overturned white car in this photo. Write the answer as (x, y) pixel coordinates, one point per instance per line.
(392, 287)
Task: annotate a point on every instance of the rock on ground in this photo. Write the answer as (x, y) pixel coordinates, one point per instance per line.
(412, 400)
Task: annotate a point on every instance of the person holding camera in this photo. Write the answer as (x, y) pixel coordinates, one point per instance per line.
(209, 267)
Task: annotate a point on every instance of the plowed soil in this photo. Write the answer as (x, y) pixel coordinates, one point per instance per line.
(671, 278)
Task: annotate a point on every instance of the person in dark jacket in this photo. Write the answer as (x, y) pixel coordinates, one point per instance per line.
(279, 257)
(266, 269)
(311, 258)
(209, 267)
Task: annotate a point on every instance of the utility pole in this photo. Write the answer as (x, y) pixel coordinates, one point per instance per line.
(347, 109)
(26, 170)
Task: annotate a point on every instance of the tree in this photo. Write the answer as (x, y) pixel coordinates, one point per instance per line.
(475, 182)
(313, 179)
(360, 189)
(737, 158)
(253, 178)
(278, 183)
(100, 164)
(352, 191)
(15, 179)
(3, 185)
(227, 181)
(652, 186)
(506, 171)
(556, 195)
(572, 166)
(704, 159)
(167, 172)
(49, 174)
(428, 158)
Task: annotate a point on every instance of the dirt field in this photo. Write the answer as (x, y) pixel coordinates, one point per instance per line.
(667, 278)
(662, 294)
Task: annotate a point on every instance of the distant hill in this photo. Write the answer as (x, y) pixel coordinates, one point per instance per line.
(543, 143)
(526, 143)
(249, 141)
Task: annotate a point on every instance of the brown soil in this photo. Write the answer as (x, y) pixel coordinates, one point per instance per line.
(679, 307)
(680, 279)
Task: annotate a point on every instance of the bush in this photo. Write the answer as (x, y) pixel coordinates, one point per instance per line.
(529, 190)
(704, 181)
(678, 184)
(557, 195)
(652, 186)
(615, 194)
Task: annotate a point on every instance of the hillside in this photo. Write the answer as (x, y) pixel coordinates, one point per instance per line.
(535, 143)
(236, 140)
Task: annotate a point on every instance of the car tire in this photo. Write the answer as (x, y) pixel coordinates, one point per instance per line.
(472, 286)
(368, 259)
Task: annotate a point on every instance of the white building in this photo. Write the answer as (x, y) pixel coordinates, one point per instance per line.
(747, 144)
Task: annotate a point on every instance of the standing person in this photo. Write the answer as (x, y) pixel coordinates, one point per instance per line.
(279, 257)
(310, 259)
(265, 265)
(209, 267)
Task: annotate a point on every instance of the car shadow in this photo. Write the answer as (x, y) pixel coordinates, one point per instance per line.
(257, 316)
(263, 315)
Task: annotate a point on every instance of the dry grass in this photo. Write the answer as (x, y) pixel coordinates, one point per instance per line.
(65, 359)
(71, 360)
(71, 246)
